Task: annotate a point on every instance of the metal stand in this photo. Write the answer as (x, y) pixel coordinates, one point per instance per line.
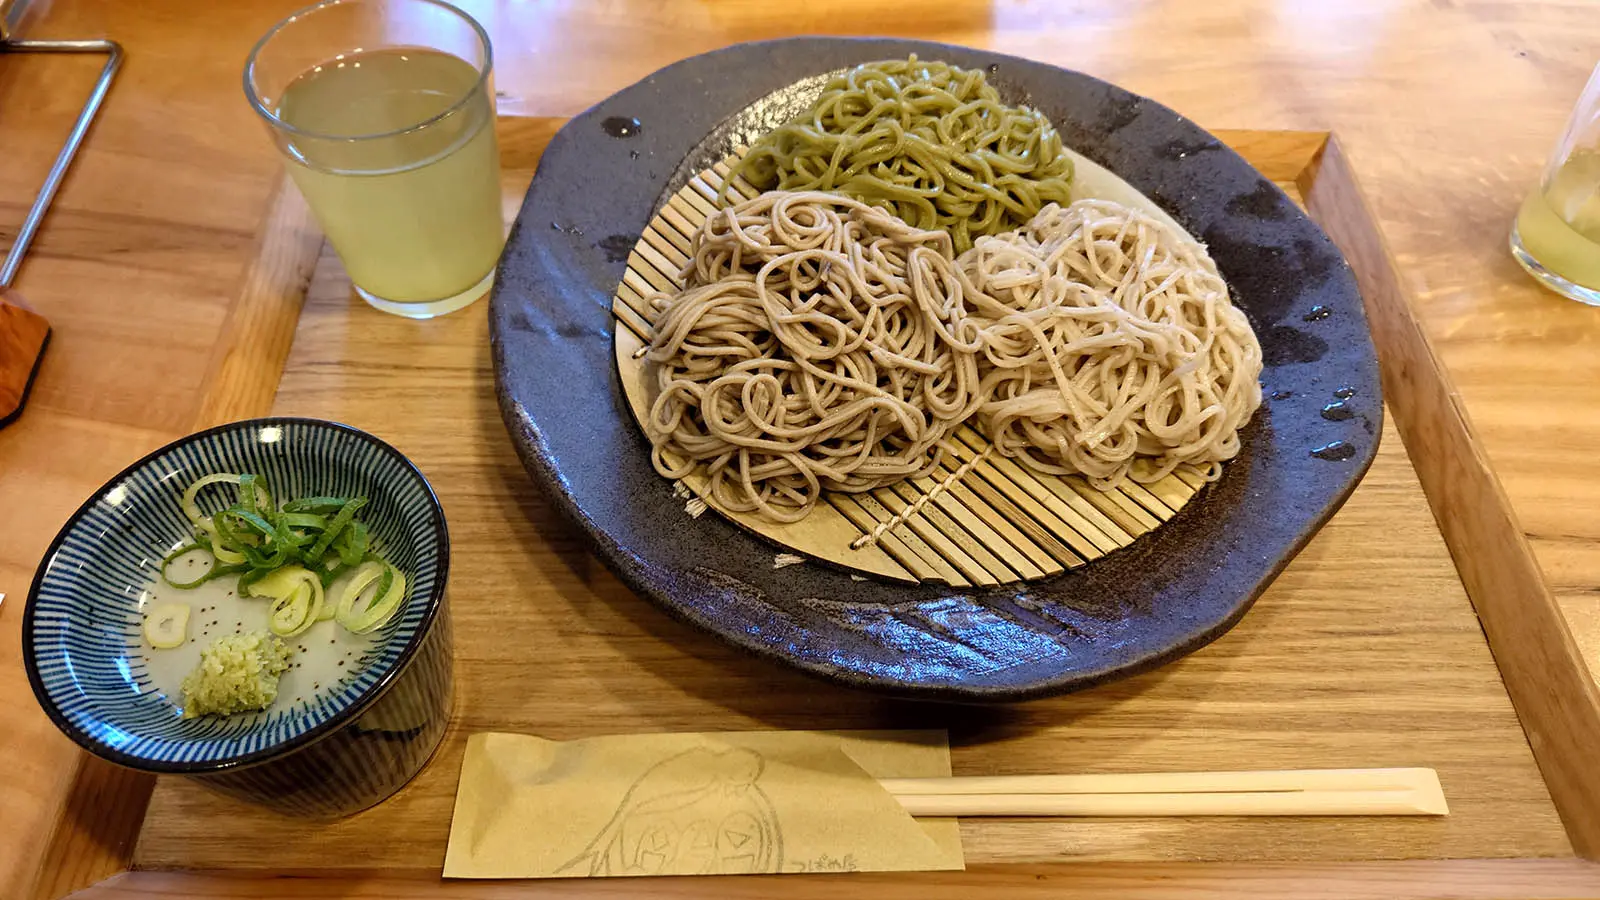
(58, 171)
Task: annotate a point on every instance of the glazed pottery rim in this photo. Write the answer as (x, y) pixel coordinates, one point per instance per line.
(300, 740)
(543, 457)
(963, 694)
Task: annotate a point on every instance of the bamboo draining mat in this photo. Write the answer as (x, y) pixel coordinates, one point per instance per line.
(998, 524)
(1365, 652)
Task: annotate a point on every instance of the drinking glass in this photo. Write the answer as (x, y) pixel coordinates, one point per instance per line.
(384, 112)
(1556, 236)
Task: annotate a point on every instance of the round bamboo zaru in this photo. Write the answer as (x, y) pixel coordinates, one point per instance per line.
(998, 522)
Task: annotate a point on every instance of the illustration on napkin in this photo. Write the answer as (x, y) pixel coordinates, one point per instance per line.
(699, 811)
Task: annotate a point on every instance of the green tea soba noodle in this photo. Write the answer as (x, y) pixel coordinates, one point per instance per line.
(928, 141)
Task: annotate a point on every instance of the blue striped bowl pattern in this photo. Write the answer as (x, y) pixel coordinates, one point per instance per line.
(82, 626)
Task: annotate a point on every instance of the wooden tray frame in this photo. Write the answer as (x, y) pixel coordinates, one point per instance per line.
(100, 812)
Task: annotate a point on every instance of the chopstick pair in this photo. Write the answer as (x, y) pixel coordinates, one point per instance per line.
(1307, 792)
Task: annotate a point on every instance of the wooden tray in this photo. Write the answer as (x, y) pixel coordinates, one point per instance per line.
(1365, 652)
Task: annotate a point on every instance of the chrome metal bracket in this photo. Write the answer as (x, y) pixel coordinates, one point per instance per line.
(58, 171)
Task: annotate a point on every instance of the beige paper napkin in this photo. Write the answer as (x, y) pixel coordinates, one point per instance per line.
(695, 804)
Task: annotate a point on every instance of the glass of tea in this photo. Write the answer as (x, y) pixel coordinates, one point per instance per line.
(384, 112)
(1557, 233)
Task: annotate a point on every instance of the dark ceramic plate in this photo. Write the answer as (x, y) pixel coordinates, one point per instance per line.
(602, 179)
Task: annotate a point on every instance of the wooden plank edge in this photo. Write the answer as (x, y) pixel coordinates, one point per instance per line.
(248, 360)
(1508, 879)
(1278, 155)
(1544, 673)
(522, 139)
(95, 830)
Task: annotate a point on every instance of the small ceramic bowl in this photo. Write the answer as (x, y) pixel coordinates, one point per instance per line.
(322, 749)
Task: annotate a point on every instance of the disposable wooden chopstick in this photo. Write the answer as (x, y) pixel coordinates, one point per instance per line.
(1172, 782)
(1310, 792)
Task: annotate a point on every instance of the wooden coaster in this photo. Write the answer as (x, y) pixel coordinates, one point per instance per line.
(1000, 523)
(23, 336)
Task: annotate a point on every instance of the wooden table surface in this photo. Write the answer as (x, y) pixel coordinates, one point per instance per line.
(1447, 109)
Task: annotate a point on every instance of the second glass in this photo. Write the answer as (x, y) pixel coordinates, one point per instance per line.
(384, 111)
(1557, 232)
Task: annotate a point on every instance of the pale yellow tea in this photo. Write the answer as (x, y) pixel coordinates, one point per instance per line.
(1559, 225)
(413, 213)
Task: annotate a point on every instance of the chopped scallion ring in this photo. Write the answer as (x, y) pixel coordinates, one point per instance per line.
(363, 616)
(291, 555)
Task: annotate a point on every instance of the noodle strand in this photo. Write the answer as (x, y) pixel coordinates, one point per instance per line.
(822, 345)
(928, 141)
(1111, 347)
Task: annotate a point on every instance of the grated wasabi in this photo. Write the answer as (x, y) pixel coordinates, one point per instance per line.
(237, 673)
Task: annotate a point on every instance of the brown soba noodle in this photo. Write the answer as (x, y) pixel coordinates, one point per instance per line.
(821, 343)
(1111, 347)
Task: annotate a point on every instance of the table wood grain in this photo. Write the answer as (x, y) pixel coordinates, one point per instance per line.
(1447, 110)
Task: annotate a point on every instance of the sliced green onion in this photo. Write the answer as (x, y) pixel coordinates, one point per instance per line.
(340, 520)
(304, 521)
(167, 626)
(297, 597)
(359, 581)
(330, 571)
(249, 578)
(352, 545)
(249, 523)
(192, 509)
(280, 583)
(293, 614)
(252, 553)
(386, 596)
(263, 496)
(293, 555)
(247, 492)
(215, 570)
(206, 535)
(325, 506)
(225, 555)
